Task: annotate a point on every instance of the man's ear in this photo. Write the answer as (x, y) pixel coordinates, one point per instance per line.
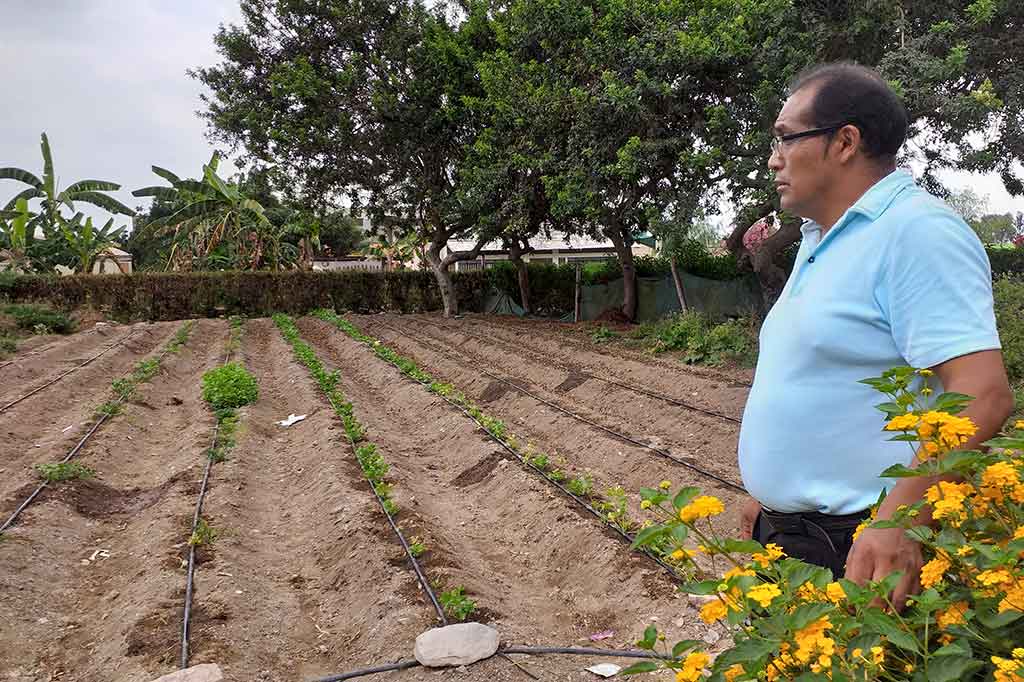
(846, 143)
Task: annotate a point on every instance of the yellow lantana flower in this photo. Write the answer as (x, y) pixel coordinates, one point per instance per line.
(835, 593)
(903, 422)
(764, 593)
(693, 667)
(713, 611)
(954, 615)
(772, 553)
(702, 507)
(1000, 475)
(933, 571)
(734, 671)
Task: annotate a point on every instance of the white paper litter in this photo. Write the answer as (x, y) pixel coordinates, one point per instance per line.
(292, 418)
(604, 669)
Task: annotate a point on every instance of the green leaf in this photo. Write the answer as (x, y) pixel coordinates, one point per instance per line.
(1008, 443)
(884, 624)
(742, 546)
(891, 409)
(21, 176)
(746, 651)
(955, 648)
(683, 646)
(702, 587)
(91, 186)
(105, 202)
(49, 181)
(641, 667)
(650, 637)
(684, 496)
(994, 621)
(648, 536)
(949, 668)
(26, 194)
(164, 193)
(806, 614)
(166, 174)
(954, 403)
(901, 471)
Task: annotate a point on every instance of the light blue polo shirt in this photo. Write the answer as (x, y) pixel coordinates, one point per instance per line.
(899, 280)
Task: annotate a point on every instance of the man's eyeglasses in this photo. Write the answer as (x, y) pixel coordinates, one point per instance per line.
(779, 141)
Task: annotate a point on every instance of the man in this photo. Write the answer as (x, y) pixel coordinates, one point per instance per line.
(886, 275)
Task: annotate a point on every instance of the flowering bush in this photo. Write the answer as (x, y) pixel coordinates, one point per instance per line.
(792, 621)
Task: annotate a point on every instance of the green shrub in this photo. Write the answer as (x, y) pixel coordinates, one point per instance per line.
(40, 318)
(1006, 261)
(229, 386)
(1008, 294)
(700, 340)
(456, 604)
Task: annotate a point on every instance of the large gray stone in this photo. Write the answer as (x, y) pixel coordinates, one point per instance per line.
(459, 644)
(204, 672)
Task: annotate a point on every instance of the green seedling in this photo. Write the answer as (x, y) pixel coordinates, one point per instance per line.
(204, 534)
(416, 547)
(456, 604)
(229, 386)
(111, 408)
(56, 472)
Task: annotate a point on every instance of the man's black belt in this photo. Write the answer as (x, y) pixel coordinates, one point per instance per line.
(814, 524)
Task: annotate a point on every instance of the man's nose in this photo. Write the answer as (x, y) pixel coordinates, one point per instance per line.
(775, 162)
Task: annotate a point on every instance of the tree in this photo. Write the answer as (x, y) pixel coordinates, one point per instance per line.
(956, 65)
(53, 200)
(88, 243)
(995, 229)
(218, 225)
(368, 100)
(612, 101)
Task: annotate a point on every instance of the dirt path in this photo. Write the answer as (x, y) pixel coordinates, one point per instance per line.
(44, 427)
(610, 460)
(77, 612)
(39, 357)
(549, 576)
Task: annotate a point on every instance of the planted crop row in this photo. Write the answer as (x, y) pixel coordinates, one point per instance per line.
(611, 507)
(123, 389)
(454, 603)
(225, 388)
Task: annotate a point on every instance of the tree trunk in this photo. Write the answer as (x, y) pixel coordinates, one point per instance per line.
(444, 280)
(515, 254)
(625, 254)
(769, 274)
(678, 282)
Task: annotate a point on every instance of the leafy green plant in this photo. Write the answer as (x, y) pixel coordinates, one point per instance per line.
(616, 509)
(602, 334)
(582, 485)
(203, 535)
(416, 547)
(31, 316)
(228, 386)
(456, 604)
(111, 408)
(56, 472)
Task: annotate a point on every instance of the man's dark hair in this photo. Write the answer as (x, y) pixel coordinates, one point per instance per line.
(848, 93)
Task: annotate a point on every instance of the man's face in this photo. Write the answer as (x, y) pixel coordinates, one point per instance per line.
(802, 169)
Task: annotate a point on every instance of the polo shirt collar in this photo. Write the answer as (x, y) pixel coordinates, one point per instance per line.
(873, 202)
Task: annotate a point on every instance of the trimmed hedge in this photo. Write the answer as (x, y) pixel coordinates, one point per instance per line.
(175, 296)
(1006, 261)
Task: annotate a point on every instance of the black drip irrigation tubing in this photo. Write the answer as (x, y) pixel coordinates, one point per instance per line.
(71, 453)
(531, 650)
(629, 439)
(67, 372)
(420, 576)
(540, 472)
(186, 620)
(597, 377)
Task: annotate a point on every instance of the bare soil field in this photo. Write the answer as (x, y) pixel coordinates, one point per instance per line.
(305, 578)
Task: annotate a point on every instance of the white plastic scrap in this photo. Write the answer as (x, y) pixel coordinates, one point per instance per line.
(292, 418)
(604, 669)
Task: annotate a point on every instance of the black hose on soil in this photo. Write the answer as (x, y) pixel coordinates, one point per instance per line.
(629, 439)
(532, 650)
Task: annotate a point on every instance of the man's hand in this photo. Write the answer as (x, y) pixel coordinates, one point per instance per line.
(748, 515)
(877, 552)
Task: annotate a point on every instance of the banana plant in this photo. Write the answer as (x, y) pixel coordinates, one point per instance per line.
(54, 199)
(87, 242)
(16, 237)
(215, 213)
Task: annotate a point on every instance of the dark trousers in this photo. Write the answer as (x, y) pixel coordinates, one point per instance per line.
(819, 539)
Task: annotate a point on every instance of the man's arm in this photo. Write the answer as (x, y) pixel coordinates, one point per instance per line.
(880, 551)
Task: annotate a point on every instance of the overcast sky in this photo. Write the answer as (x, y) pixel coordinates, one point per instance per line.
(105, 79)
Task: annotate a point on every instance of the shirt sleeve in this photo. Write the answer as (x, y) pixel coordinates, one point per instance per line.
(939, 289)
